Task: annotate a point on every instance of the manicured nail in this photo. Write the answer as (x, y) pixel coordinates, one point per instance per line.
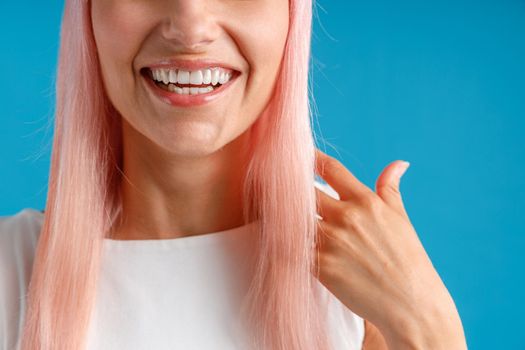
(402, 168)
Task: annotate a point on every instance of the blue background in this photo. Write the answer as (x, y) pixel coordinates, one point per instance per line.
(437, 83)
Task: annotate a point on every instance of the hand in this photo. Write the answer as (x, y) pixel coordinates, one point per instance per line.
(372, 260)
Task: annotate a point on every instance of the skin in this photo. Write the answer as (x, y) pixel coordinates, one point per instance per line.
(183, 165)
(370, 258)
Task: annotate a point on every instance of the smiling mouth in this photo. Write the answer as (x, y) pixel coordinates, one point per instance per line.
(183, 82)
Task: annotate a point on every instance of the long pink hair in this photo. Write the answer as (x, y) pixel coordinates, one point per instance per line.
(283, 302)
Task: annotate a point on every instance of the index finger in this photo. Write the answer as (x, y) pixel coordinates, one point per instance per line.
(339, 177)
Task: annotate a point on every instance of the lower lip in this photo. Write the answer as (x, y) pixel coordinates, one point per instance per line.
(175, 99)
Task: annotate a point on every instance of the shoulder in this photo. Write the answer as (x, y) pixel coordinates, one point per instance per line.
(18, 238)
(21, 226)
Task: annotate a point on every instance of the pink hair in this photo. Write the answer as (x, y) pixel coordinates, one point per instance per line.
(283, 303)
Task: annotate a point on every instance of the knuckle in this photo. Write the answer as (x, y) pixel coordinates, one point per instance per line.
(370, 202)
(390, 189)
(394, 189)
(350, 217)
(353, 220)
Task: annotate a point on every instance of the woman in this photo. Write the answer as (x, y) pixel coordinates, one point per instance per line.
(183, 126)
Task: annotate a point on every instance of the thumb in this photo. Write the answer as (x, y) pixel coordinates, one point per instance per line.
(387, 185)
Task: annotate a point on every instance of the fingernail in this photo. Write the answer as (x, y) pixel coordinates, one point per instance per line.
(402, 168)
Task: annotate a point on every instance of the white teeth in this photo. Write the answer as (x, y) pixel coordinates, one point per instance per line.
(222, 78)
(173, 76)
(165, 76)
(206, 77)
(196, 77)
(183, 77)
(211, 76)
(189, 90)
(215, 76)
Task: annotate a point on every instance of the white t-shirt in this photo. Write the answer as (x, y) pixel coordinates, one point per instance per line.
(152, 294)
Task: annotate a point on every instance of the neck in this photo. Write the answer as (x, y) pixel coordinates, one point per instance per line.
(166, 195)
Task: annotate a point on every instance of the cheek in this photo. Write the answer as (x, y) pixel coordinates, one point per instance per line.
(266, 32)
(119, 27)
(261, 35)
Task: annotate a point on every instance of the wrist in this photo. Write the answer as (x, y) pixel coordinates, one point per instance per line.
(432, 327)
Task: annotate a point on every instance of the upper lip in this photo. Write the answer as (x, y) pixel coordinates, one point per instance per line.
(196, 64)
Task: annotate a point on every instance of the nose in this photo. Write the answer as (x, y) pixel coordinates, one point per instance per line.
(190, 26)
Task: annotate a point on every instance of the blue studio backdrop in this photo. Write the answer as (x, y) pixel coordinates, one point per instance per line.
(438, 83)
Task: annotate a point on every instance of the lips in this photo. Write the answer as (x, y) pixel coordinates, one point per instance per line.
(186, 100)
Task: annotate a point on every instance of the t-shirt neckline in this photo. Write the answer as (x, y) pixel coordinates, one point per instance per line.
(212, 238)
(204, 239)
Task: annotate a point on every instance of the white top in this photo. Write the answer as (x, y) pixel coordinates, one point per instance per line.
(152, 294)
